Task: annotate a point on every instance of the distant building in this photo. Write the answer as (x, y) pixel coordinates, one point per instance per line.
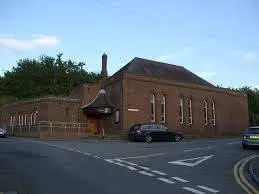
(141, 91)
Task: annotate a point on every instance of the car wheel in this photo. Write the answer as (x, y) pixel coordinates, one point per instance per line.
(148, 138)
(244, 146)
(177, 138)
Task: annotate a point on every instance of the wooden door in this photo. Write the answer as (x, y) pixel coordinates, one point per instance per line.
(92, 125)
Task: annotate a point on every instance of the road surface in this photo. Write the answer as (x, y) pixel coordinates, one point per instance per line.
(113, 167)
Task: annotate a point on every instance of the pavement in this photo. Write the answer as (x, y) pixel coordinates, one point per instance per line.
(113, 167)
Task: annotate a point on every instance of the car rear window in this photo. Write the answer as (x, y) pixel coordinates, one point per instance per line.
(252, 130)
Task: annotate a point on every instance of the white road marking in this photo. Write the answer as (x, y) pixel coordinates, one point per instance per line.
(151, 155)
(62, 147)
(97, 157)
(159, 172)
(201, 148)
(131, 167)
(198, 161)
(145, 173)
(130, 163)
(120, 164)
(193, 190)
(145, 168)
(180, 179)
(208, 189)
(234, 142)
(119, 160)
(166, 180)
(108, 160)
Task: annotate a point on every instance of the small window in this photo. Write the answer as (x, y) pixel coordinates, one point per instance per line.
(190, 111)
(19, 120)
(22, 120)
(153, 108)
(213, 113)
(25, 119)
(117, 116)
(31, 117)
(163, 108)
(181, 110)
(11, 121)
(35, 115)
(14, 120)
(205, 109)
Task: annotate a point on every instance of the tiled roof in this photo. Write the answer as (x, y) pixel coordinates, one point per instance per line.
(144, 67)
(100, 101)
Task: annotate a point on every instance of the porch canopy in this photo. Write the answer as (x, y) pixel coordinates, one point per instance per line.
(100, 106)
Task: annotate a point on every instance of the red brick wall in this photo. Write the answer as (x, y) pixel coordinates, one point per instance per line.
(49, 109)
(231, 108)
(114, 93)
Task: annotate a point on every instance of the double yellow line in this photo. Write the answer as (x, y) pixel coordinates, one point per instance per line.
(240, 178)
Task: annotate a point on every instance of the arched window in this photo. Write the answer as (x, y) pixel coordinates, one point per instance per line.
(213, 113)
(190, 111)
(163, 108)
(205, 109)
(19, 120)
(11, 121)
(25, 119)
(14, 120)
(35, 115)
(181, 110)
(31, 118)
(22, 120)
(153, 108)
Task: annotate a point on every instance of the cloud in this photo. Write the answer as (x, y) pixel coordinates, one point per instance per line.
(245, 56)
(176, 55)
(33, 43)
(249, 57)
(206, 74)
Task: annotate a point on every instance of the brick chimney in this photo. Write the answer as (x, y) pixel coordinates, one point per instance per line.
(104, 73)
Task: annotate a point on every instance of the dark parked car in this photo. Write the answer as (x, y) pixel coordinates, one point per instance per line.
(3, 133)
(251, 137)
(153, 132)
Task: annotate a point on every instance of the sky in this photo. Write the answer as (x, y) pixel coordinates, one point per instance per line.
(216, 39)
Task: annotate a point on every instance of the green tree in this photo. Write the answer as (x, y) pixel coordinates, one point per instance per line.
(32, 78)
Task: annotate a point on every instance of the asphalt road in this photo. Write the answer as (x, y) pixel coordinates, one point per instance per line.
(40, 167)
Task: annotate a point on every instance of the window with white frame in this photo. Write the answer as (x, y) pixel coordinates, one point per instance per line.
(14, 120)
(163, 108)
(19, 120)
(117, 116)
(35, 115)
(213, 113)
(190, 111)
(181, 110)
(153, 108)
(31, 117)
(25, 119)
(205, 110)
(22, 120)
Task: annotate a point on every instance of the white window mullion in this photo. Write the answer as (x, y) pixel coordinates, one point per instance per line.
(190, 111)
(181, 110)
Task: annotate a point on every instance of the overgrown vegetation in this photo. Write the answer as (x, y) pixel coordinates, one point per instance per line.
(32, 78)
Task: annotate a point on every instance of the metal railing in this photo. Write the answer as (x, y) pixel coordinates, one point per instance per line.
(49, 128)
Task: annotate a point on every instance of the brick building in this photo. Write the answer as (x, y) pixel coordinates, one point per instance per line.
(141, 91)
